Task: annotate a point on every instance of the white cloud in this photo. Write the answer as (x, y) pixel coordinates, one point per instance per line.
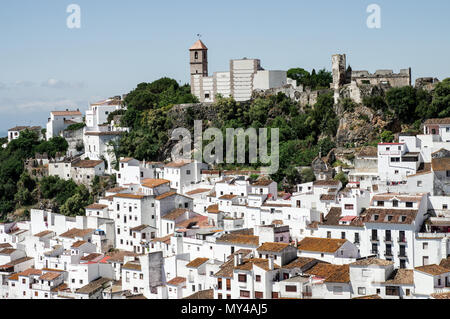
(59, 84)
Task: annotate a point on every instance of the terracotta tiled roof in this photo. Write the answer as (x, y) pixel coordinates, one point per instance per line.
(173, 215)
(445, 120)
(213, 209)
(262, 182)
(5, 245)
(154, 182)
(139, 228)
(78, 243)
(329, 182)
(26, 273)
(433, 270)
(325, 245)
(176, 281)
(91, 257)
(227, 197)
(132, 266)
(202, 294)
(87, 164)
(93, 286)
(66, 113)
(239, 239)
(247, 264)
(273, 247)
(401, 277)
(198, 191)
(399, 216)
(165, 239)
(300, 262)
(165, 195)
(118, 256)
(369, 297)
(372, 261)
(126, 159)
(116, 189)
(322, 270)
(443, 295)
(7, 251)
(50, 276)
(368, 151)
(43, 233)
(342, 274)
(226, 269)
(75, 232)
(177, 164)
(96, 206)
(200, 221)
(197, 262)
(129, 196)
(198, 45)
(327, 197)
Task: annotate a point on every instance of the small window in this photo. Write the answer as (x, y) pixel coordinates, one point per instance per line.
(361, 290)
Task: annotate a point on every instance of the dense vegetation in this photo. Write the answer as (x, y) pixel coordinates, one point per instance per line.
(313, 80)
(15, 187)
(305, 132)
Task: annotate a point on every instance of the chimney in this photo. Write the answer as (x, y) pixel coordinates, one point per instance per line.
(271, 266)
(236, 260)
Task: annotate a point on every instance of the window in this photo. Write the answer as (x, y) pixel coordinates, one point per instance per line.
(408, 292)
(291, 288)
(228, 284)
(444, 206)
(395, 203)
(245, 293)
(425, 260)
(395, 159)
(348, 206)
(242, 278)
(258, 295)
(409, 204)
(228, 296)
(419, 183)
(356, 238)
(448, 173)
(196, 55)
(219, 296)
(188, 172)
(361, 290)
(425, 246)
(337, 290)
(380, 203)
(258, 278)
(328, 234)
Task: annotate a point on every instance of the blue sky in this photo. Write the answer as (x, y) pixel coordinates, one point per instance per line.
(46, 66)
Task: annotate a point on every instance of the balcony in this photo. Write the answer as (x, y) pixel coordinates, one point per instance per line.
(388, 239)
(388, 253)
(373, 238)
(402, 254)
(402, 240)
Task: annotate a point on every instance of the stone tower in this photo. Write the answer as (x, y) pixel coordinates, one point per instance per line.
(339, 71)
(198, 59)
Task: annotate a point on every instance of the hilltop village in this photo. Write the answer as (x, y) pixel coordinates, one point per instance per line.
(372, 221)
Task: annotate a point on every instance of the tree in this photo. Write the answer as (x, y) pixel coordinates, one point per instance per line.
(441, 98)
(307, 175)
(403, 102)
(387, 137)
(342, 177)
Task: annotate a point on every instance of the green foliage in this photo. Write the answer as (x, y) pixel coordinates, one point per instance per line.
(307, 175)
(348, 105)
(75, 127)
(319, 80)
(342, 177)
(51, 147)
(375, 102)
(387, 137)
(441, 98)
(75, 204)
